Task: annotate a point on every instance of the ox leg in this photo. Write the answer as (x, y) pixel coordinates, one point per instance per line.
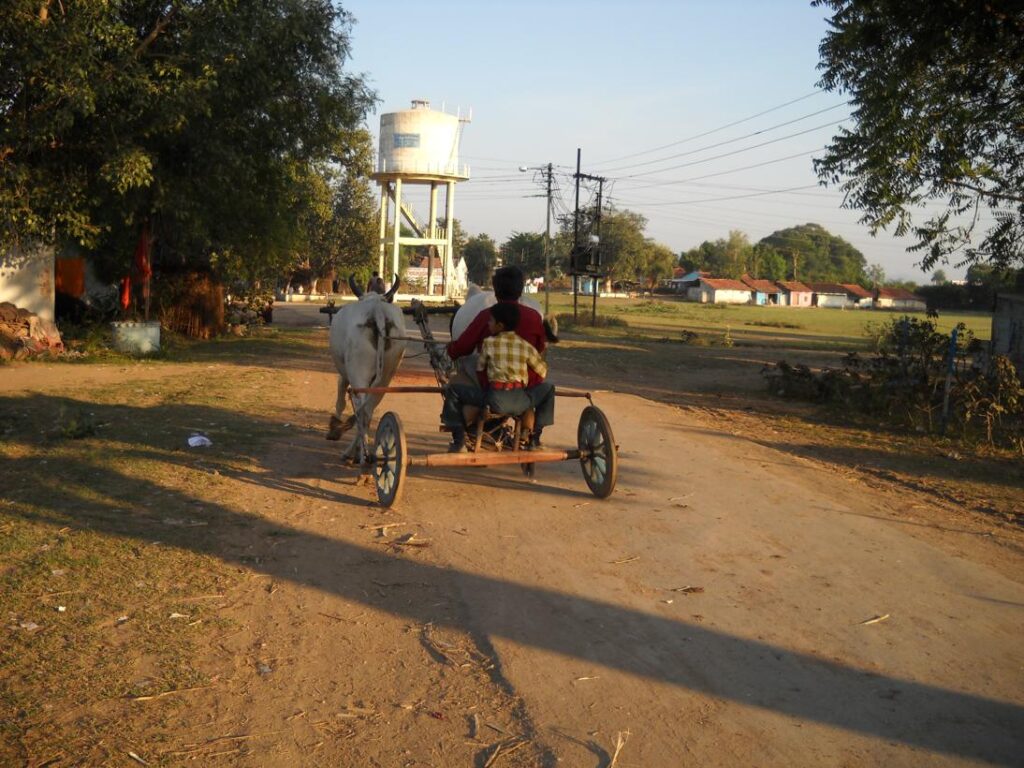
(338, 426)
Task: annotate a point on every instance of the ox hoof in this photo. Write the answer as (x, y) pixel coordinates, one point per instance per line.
(337, 427)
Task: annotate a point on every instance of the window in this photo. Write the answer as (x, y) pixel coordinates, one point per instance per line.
(407, 140)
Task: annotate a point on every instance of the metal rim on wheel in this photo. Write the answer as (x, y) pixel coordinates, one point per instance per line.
(599, 458)
(389, 459)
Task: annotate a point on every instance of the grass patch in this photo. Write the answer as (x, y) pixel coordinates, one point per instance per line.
(105, 513)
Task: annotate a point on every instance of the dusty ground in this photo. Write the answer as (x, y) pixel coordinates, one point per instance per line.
(547, 623)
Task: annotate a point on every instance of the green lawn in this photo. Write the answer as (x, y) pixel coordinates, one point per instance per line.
(792, 327)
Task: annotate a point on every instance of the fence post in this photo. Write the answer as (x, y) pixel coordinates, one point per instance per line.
(950, 363)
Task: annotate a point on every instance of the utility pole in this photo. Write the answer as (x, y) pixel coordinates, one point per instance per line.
(547, 171)
(547, 249)
(594, 276)
(576, 236)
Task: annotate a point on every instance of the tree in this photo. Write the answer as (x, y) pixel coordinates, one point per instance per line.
(939, 277)
(215, 121)
(875, 275)
(481, 255)
(525, 250)
(935, 90)
(623, 245)
(815, 254)
(766, 261)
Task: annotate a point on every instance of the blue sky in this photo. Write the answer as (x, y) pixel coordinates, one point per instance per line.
(619, 80)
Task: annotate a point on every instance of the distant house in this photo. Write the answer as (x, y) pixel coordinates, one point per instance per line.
(687, 283)
(765, 292)
(899, 298)
(722, 291)
(1008, 329)
(795, 293)
(830, 295)
(861, 298)
(416, 276)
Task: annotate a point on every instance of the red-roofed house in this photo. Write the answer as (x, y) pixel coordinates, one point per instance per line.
(830, 295)
(722, 291)
(861, 297)
(765, 291)
(795, 293)
(899, 298)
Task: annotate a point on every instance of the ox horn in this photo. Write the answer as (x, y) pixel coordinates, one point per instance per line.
(390, 295)
(354, 287)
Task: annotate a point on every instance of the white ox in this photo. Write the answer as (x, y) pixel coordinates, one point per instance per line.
(477, 300)
(367, 346)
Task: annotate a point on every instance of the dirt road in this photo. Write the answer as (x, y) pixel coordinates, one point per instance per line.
(715, 611)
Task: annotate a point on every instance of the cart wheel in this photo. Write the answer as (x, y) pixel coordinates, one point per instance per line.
(390, 454)
(599, 462)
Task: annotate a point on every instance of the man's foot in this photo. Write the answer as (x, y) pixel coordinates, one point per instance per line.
(533, 444)
(458, 444)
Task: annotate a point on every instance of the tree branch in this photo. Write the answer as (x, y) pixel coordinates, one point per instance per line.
(988, 193)
(154, 33)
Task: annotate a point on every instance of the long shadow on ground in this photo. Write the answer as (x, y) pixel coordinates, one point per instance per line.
(83, 494)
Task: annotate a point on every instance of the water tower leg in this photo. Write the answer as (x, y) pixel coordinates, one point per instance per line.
(385, 192)
(432, 233)
(447, 266)
(397, 231)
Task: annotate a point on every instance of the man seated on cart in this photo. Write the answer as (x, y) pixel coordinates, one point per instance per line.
(508, 285)
(504, 367)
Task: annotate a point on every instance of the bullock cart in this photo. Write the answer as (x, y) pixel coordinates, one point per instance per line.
(493, 440)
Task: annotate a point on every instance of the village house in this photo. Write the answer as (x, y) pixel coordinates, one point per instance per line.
(687, 283)
(861, 298)
(795, 293)
(899, 298)
(830, 295)
(765, 292)
(416, 277)
(722, 291)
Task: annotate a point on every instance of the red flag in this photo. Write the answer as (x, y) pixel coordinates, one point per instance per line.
(126, 292)
(142, 266)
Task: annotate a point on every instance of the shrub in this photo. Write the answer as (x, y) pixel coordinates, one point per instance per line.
(906, 383)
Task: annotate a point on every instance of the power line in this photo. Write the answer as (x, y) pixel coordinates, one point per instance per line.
(737, 151)
(713, 130)
(731, 141)
(663, 182)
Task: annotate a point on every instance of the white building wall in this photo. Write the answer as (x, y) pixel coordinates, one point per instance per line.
(832, 301)
(26, 280)
(724, 296)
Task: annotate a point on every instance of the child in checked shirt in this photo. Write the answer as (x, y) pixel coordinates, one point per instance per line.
(503, 370)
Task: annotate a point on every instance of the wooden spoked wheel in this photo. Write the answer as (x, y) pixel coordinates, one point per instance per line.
(390, 455)
(598, 454)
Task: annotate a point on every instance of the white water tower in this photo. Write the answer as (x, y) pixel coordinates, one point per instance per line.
(419, 146)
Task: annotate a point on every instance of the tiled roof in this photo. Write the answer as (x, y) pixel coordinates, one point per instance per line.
(793, 286)
(855, 290)
(722, 284)
(828, 288)
(897, 293)
(761, 286)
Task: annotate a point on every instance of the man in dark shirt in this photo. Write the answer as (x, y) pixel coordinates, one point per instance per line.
(508, 285)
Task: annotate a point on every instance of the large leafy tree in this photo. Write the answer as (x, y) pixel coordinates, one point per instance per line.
(813, 253)
(481, 255)
(211, 118)
(937, 90)
(526, 250)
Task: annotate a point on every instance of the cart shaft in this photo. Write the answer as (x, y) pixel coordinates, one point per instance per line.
(491, 459)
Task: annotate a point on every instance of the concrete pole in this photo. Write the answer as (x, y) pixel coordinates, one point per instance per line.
(397, 231)
(448, 265)
(432, 233)
(385, 192)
